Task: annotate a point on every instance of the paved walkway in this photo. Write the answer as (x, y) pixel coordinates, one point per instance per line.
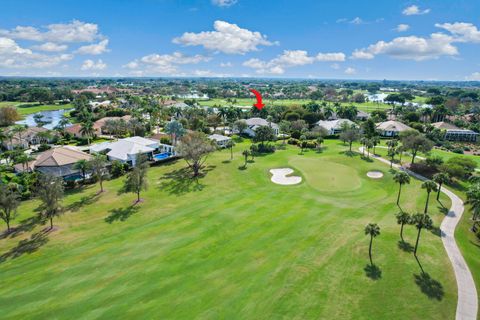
(467, 304)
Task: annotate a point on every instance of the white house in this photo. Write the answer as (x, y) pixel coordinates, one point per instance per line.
(126, 150)
(221, 141)
(334, 126)
(392, 128)
(254, 123)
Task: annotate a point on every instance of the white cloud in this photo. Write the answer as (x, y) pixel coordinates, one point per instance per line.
(334, 56)
(75, 31)
(92, 65)
(356, 20)
(165, 63)
(463, 32)
(13, 55)
(51, 47)
(473, 77)
(94, 49)
(224, 3)
(226, 64)
(290, 58)
(414, 10)
(209, 73)
(335, 66)
(402, 27)
(412, 47)
(350, 71)
(227, 38)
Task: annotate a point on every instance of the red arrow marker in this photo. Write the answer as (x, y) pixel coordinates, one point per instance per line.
(259, 103)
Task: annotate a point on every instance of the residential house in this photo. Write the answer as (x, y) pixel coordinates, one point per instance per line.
(334, 126)
(126, 150)
(392, 128)
(221, 141)
(100, 123)
(59, 162)
(31, 136)
(454, 133)
(254, 123)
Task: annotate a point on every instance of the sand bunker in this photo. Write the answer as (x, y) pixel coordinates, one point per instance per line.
(375, 174)
(280, 176)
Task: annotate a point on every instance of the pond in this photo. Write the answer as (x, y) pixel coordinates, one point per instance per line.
(50, 118)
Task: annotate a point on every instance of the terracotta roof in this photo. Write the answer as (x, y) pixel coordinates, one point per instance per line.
(74, 129)
(60, 156)
(101, 122)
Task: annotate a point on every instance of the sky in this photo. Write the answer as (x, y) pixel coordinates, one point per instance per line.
(340, 39)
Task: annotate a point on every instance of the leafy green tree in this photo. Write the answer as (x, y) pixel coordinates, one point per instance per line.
(284, 127)
(401, 178)
(441, 178)
(9, 202)
(87, 130)
(253, 151)
(421, 221)
(403, 218)
(263, 134)
(240, 126)
(50, 192)
(98, 165)
(245, 154)
(373, 230)
(415, 142)
(195, 148)
(429, 186)
(350, 134)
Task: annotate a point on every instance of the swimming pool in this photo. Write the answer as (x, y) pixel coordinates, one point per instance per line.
(161, 156)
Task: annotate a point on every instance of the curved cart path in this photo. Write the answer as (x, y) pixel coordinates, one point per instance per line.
(467, 304)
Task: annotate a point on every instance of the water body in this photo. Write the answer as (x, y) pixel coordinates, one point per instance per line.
(51, 118)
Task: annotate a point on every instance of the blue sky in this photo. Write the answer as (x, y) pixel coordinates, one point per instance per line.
(429, 40)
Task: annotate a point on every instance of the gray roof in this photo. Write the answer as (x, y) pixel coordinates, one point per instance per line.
(334, 124)
(256, 122)
(218, 137)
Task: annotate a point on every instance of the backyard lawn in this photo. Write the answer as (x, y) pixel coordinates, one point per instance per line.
(232, 245)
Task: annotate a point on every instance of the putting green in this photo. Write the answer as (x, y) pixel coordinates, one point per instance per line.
(327, 176)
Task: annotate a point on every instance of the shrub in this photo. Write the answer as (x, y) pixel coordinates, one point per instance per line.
(266, 148)
(458, 150)
(117, 169)
(43, 147)
(293, 141)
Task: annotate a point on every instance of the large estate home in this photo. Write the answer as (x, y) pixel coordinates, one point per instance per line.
(220, 140)
(127, 150)
(254, 123)
(58, 161)
(334, 126)
(31, 136)
(392, 128)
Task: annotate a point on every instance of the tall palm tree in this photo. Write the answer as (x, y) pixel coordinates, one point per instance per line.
(403, 218)
(87, 130)
(441, 178)
(421, 221)
(401, 178)
(429, 186)
(363, 141)
(373, 230)
(98, 165)
(375, 141)
(392, 144)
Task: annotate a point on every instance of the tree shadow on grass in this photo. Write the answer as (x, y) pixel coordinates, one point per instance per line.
(84, 201)
(180, 181)
(442, 208)
(405, 246)
(430, 287)
(367, 159)
(350, 154)
(373, 271)
(121, 214)
(242, 167)
(226, 161)
(25, 225)
(29, 245)
(436, 231)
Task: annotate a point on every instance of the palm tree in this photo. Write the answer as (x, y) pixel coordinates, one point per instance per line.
(441, 178)
(363, 141)
(87, 130)
(375, 141)
(82, 165)
(429, 186)
(403, 218)
(245, 153)
(19, 130)
(98, 166)
(230, 145)
(473, 199)
(401, 178)
(373, 230)
(392, 144)
(175, 129)
(421, 221)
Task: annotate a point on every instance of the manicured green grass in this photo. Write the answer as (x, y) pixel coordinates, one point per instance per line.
(232, 245)
(366, 106)
(29, 108)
